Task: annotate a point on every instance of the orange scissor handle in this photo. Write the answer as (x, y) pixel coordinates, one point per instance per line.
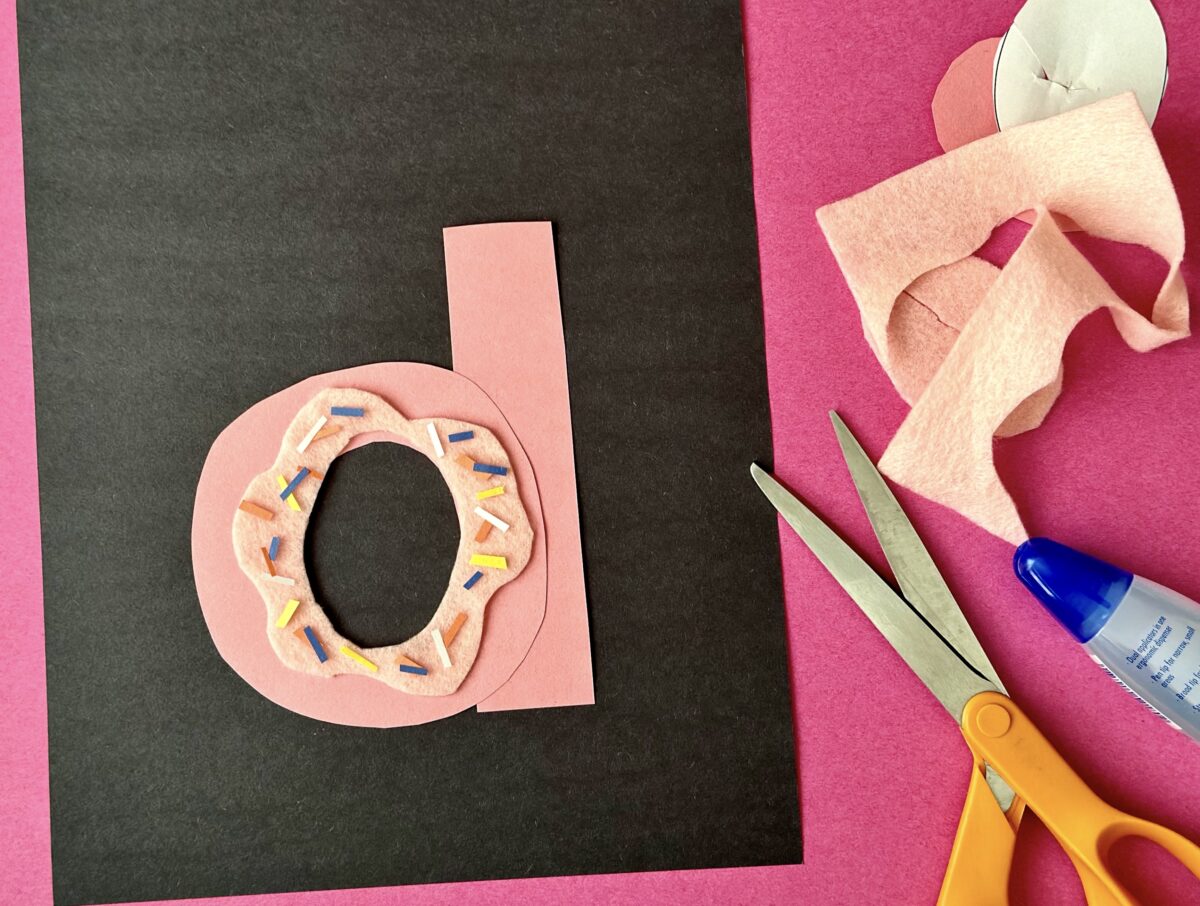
(981, 859)
(1086, 826)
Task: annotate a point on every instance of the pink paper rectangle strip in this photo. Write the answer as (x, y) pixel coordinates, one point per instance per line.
(507, 336)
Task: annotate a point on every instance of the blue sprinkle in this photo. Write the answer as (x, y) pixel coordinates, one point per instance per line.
(419, 671)
(491, 470)
(286, 492)
(312, 640)
(274, 549)
(355, 411)
(460, 435)
(475, 578)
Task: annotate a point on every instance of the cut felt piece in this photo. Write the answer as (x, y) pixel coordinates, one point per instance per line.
(964, 108)
(1060, 55)
(510, 553)
(1098, 165)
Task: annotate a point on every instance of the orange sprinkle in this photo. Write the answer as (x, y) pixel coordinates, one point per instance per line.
(484, 530)
(267, 560)
(255, 510)
(315, 474)
(326, 431)
(469, 464)
(408, 662)
(454, 628)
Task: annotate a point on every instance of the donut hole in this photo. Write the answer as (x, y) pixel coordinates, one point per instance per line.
(381, 543)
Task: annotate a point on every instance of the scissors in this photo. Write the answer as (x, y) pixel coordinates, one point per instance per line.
(1015, 767)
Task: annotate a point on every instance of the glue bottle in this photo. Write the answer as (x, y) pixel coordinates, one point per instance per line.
(1145, 636)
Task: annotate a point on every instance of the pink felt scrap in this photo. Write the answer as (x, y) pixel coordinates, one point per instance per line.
(964, 110)
(1097, 164)
(507, 335)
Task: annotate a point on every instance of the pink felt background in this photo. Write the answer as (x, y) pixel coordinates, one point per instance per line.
(839, 95)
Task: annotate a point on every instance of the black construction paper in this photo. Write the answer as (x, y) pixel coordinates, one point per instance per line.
(225, 197)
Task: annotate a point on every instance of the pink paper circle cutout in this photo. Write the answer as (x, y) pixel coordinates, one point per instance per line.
(962, 102)
(233, 609)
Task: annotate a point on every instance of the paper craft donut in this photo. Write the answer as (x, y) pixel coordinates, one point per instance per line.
(272, 517)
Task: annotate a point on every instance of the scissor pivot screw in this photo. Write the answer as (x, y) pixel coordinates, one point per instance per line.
(993, 721)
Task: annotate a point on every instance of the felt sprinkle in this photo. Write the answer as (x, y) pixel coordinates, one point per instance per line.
(316, 645)
(490, 492)
(255, 510)
(291, 498)
(489, 560)
(354, 655)
(273, 550)
(491, 470)
(465, 461)
(288, 610)
(494, 520)
(485, 529)
(281, 580)
(293, 484)
(440, 645)
(454, 628)
(267, 559)
(408, 665)
(311, 435)
(435, 440)
(327, 431)
(352, 411)
(460, 436)
(475, 578)
(319, 476)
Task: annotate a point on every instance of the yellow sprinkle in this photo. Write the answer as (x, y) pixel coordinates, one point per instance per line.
(288, 610)
(488, 560)
(490, 492)
(354, 655)
(291, 498)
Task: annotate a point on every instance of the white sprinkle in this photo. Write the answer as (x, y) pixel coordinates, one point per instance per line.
(494, 520)
(282, 580)
(312, 432)
(437, 446)
(440, 645)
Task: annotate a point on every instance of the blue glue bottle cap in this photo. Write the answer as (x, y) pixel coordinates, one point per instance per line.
(1081, 591)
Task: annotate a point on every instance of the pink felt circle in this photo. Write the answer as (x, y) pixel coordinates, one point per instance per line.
(233, 609)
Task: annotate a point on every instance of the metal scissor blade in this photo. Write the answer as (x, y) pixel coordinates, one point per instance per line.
(919, 579)
(951, 681)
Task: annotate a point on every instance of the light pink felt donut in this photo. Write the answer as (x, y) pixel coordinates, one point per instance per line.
(242, 464)
(298, 627)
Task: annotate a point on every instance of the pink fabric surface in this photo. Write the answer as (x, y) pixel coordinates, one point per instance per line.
(839, 96)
